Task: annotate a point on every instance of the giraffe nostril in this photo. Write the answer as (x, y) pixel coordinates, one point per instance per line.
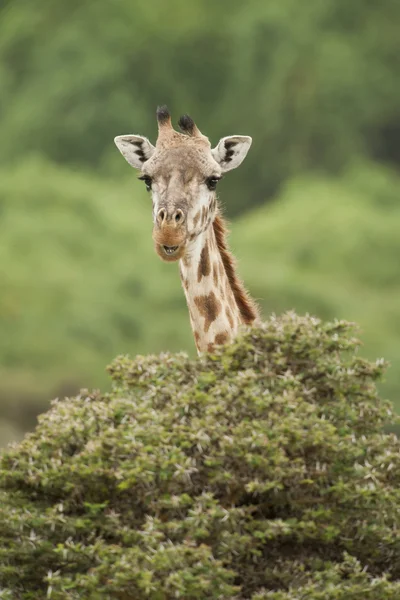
(164, 216)
(161, 215)
(179, 216)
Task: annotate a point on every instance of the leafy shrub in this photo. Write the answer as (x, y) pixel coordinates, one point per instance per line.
(260, 471)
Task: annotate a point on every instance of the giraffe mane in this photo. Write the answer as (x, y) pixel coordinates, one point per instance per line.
(247, 307)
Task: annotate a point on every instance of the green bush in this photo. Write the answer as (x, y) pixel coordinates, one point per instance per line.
(260, 471)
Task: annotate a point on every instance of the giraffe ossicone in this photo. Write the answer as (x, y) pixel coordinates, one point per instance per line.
(182, 172)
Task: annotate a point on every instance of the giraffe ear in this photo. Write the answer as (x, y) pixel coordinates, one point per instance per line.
(136, 149)
(231, 151)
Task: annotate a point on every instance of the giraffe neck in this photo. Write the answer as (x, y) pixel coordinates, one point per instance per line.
(217, 301)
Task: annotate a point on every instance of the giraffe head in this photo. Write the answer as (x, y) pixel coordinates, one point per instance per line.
(182, 172)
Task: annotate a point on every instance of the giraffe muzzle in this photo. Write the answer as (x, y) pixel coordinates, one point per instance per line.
(169, 242)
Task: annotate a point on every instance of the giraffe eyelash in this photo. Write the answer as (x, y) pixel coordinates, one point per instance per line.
(147, 180)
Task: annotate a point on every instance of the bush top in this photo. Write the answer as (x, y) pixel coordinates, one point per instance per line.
(260, 471)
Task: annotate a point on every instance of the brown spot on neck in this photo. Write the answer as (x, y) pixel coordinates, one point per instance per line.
(203, 215)
(221, 338)
(229, 316)
(209, 307)
(196, 218)
(184, 280)
(246, 306)
(204, 265)
(215, 274)
(186, 260)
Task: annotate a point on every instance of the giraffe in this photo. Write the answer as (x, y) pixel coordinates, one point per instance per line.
(182, 172)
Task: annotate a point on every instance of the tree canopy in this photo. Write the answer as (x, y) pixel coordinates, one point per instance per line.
(314, 85)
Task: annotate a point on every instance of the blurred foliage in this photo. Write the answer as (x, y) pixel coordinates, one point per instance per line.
(317, 87)
(314, 84)
(330, 247)
(80, 283)
(258, 472)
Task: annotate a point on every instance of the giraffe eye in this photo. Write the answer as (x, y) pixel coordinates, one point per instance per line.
(211, 182)
(147, 181)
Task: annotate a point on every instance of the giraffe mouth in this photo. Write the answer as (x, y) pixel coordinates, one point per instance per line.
(170, 250)
(169, 245)
(170, 253)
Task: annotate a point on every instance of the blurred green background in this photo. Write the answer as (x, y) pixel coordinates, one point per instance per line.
(314, 210)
